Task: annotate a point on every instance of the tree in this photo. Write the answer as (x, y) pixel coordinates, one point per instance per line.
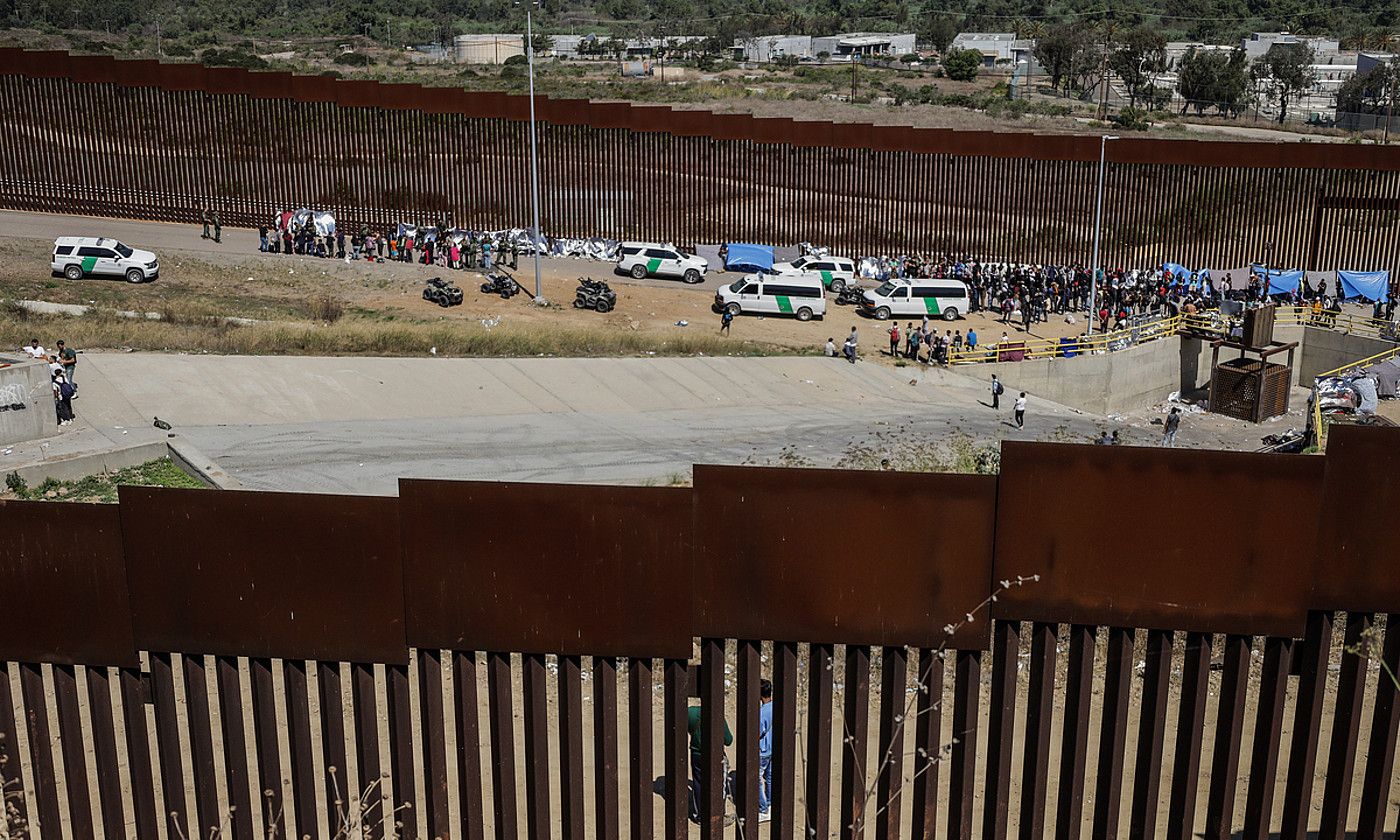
(1368, 94)
(1213, 79)
(1065, 52)
(939, 32)
(1137, 60)
(962, 65)
(1286, 71)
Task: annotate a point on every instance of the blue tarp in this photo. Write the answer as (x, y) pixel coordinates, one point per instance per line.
(1181, 274)
(1282, 282)
(744, 257)
(1372, 285)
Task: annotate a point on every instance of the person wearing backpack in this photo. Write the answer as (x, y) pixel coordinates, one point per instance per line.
(63, 399)
(997, 391)
(725, 319)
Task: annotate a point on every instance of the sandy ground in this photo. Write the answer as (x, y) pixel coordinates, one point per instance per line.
(233, 278)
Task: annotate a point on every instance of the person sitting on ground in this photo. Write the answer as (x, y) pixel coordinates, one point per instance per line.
(830, 349)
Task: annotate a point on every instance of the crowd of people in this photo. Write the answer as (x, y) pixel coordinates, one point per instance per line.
(441, 246)
(63, 364)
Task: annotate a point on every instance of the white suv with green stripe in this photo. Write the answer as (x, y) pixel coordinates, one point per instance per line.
(944, 299)
(835, 272)
(76, 257)
(648, 259)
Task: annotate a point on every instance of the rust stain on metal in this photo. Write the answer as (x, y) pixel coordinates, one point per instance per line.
(1360, 499)
(875, 558)
(291, 575)
(64, 585)
(548, 568)
(1167, 539)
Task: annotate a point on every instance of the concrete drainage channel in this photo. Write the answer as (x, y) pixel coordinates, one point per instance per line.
(190, 461)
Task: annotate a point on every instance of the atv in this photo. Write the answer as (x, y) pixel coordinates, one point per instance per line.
(442, 292)
(500, 284)
(594, 294)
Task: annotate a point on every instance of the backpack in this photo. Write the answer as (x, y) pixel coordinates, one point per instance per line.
(997, 389)
(66, 390)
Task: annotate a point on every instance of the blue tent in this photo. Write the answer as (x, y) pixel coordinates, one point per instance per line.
(1372, 285)
(1282, 282)
(740, 256)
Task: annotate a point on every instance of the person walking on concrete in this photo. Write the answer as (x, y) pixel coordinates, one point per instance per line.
(63, 399)
(1169, 430)
(997, 390)
(204, 219)
(1021, 411)
(726, 318)
(218, 226)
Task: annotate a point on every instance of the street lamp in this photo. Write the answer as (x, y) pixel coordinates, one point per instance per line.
(1098, 222)
(534, 149)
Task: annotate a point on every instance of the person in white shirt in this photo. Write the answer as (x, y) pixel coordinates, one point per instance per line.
(831, 347)
(1021, 411)
(34, 351)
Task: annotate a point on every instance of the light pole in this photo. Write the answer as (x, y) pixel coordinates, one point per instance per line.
(534, 150)
(1098, 223)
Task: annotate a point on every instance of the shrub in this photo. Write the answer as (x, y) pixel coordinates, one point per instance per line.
(514, 60)
(354, 59)
(326, 308)
(1133, 119)
(962, 65)
(232, 58)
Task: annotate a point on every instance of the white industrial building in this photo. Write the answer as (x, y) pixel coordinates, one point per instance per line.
(588, 46)
(864, 44)
(765, 48)
(995, 47)
(1259, 43)
(489, 48)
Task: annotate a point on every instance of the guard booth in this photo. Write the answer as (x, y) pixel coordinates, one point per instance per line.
(1252, 389)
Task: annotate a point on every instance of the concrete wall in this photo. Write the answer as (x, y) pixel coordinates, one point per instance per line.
(1110, 383)
(26, 402)
(1325, 350)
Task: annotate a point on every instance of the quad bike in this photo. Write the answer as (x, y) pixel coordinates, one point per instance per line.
(594, 294)
(500, 284)
(849, 295)
(442, 292)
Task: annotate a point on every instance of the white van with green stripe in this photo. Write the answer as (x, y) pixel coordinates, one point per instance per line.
(76, 257)
(800, 295)
(648, 259)
(835, 272)
(946, 299)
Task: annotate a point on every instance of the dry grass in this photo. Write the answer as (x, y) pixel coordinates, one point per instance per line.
(200, 333)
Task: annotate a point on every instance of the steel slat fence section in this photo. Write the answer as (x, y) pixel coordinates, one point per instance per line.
(1074, 741)
(1040, 700)
(606, 789)
(104, 745)
(184, 681)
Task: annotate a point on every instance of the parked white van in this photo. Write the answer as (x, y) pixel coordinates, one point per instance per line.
(802, 295)
(936, 298)
(648, 259)
(76, 257)
(835, 272)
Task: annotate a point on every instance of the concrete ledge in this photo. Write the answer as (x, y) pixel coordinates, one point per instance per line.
(185, 456)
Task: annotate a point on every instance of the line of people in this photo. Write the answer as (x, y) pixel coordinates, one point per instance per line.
(63, 365)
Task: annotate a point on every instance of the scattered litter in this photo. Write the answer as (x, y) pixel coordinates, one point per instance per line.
(682, 323)
(808, 382)
(1069, 319)
(488, 323)
(432, 351)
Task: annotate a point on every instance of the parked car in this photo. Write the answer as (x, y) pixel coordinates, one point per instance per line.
(76, 257)
(835, 272)
(647, 259)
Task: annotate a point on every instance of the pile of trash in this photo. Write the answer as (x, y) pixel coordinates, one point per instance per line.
(1175, 400)
(594, 248)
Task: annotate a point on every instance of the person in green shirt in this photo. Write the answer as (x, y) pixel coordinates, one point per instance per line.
(697, 767)
(69, 359)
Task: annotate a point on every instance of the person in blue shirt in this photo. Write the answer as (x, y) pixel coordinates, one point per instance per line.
(765, 750)
(971, 339)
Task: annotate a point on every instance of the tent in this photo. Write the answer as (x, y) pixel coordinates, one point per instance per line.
(1282, 282)
(1372, 285)
(740, 256)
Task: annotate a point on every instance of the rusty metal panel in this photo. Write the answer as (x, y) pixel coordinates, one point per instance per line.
(572, 569)
(772, 562)
(289, 575)
(1240, 567)
(1361, 493)
(65, 585)
(230, 80)
(92, 68)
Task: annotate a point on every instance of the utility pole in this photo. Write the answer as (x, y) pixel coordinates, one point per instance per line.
(1098, 226)
(1390, 106)
(534, 152)
(854, 62)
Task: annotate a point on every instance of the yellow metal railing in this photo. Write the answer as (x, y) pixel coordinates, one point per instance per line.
(1320, 427)
(1209, 321)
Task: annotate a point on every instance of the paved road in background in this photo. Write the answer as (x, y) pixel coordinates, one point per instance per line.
(356, 425)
